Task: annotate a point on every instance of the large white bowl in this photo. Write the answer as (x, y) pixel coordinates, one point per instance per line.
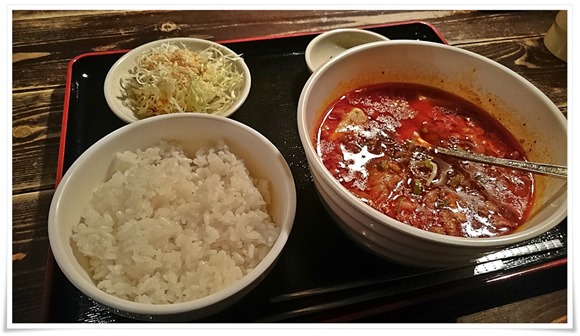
(192, 131)
(115, 94)
(520, 106)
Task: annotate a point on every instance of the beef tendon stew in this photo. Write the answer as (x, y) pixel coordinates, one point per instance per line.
(367, 140)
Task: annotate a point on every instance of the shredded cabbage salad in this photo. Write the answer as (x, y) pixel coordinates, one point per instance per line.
(172, 78)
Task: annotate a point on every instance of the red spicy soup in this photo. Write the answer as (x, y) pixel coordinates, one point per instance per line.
(368, 141)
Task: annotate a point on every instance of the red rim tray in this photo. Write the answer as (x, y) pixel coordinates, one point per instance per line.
(322, 275)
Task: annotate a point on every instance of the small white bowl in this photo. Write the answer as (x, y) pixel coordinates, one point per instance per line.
(333, 42)
(115, 94)
(192, 131)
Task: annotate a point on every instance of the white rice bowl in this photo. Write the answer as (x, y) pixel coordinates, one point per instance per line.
(166, 228)
(145, 247)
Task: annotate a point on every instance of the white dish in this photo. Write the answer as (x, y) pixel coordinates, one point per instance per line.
(192, 131)
(331, 43)
(115, 94)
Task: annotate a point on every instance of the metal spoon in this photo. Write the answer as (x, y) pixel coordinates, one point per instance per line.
(534, 167)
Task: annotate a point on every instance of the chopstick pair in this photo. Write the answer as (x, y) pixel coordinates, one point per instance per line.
(380, 288)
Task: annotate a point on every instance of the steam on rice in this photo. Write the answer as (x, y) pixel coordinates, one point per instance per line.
(166, 228)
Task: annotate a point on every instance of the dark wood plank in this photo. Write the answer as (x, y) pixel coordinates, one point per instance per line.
(27, 297)
(529, 58)
(36, 125)
(29, 255)
(45, 14)
(478, 26)
(29, 230)
(547, 308)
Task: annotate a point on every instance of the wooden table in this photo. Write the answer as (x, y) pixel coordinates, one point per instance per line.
(45, 41)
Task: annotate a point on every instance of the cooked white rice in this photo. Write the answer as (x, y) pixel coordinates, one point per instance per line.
(166, 228)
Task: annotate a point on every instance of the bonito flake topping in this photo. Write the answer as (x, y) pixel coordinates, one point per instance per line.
(171, 78)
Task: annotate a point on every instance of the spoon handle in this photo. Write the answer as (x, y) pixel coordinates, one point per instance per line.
(541, 168)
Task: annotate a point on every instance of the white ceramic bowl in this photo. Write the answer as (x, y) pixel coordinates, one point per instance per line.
(520, 106)
(329, 44)
(115, 94)
(192, 131)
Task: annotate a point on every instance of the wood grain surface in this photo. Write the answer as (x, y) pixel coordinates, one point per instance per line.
(549, 307)
(44, 42)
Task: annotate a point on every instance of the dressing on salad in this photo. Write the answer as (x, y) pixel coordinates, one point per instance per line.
(171, 78)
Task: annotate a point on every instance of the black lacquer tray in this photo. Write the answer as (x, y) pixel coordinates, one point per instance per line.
(321, 276)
